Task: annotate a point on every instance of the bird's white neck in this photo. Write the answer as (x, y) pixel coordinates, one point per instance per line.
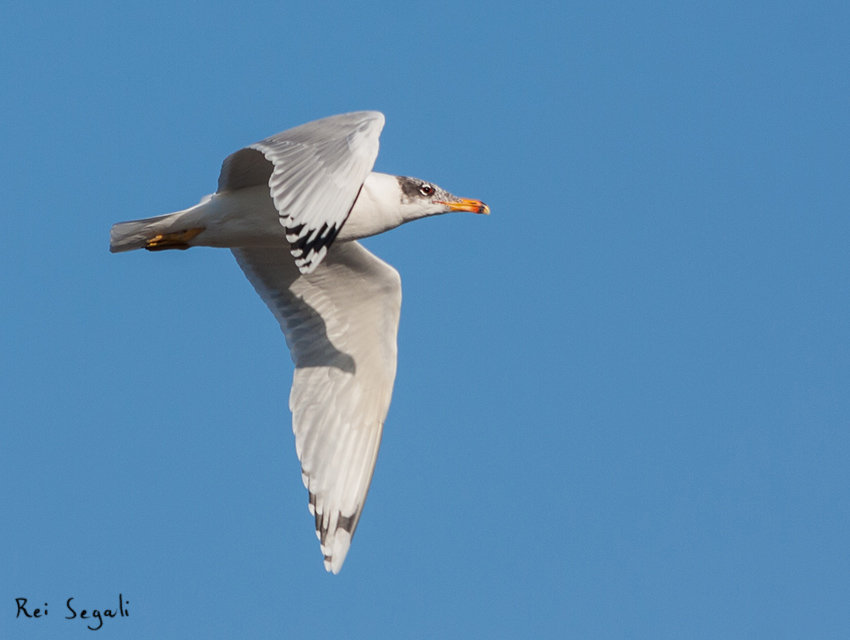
(379, 207)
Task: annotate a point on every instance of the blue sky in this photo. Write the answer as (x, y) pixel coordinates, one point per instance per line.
(623, 399)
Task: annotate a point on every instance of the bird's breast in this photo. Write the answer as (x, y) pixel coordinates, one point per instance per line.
(376, 209)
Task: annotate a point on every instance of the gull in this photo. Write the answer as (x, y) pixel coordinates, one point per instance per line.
(291, 209)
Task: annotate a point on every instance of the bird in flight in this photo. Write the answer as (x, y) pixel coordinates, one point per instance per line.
(291, 209)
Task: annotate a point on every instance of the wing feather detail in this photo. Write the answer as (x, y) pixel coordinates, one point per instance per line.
(341, 325)
(314, 173)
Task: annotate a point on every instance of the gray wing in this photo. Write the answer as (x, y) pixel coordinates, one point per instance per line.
(314, 172)
(341, 324)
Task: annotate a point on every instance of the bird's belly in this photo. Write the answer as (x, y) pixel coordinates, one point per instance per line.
(244, 218)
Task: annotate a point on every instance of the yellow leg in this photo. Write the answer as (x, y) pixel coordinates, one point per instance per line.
(176, 240)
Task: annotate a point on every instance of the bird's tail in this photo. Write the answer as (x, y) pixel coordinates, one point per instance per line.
(155, 234)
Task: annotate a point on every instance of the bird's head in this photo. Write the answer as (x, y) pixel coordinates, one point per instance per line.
(423, 198)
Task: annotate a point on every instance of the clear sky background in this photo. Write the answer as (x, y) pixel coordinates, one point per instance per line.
(623, 399)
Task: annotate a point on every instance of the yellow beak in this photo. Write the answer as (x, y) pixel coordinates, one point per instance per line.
(465, 204)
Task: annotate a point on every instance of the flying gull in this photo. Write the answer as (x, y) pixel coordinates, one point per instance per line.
(291, 209)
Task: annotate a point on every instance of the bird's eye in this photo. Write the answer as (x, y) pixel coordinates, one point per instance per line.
(426, 189)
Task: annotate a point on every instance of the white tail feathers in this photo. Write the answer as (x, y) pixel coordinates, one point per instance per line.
(134, 234)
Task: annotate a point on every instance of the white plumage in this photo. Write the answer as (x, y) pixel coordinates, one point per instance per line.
(291, 208)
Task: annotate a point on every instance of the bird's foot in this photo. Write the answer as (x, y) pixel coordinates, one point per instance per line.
(176, 240)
